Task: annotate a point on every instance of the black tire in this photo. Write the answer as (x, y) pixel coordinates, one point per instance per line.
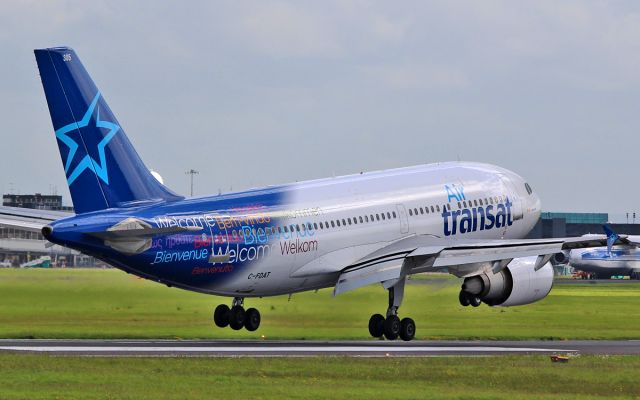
(376, 325)
(392, 327)
(475, 301)
(251, 319)
(221, 315)
(407, 329)
(464, 298)
(236, 318)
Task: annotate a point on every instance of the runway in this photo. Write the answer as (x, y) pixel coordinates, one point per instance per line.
(236, 348)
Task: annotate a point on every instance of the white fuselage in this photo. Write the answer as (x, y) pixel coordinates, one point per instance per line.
(338, 221)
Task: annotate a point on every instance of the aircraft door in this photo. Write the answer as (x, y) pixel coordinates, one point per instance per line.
(512, 193)
(404, 221)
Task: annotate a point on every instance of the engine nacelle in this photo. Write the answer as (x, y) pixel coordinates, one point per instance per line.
(515, 285)
(561, 258)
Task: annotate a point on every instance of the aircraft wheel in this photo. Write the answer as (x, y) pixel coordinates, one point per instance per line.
(236, 318)
(376, 325)
(407, 329)
(252, 319)
(221, 315)
(464, 299)
(475, 301)
(392, 327)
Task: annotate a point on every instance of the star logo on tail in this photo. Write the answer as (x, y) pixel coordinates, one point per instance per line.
(98, 168)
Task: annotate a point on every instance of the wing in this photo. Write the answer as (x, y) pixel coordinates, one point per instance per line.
(29, 219)
(425, 253)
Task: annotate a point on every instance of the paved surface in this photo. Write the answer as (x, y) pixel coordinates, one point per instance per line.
(314, 348)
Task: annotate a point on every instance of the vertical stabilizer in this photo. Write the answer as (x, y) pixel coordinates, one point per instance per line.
(103, 169)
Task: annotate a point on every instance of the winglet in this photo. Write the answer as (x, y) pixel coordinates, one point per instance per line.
(612, 237)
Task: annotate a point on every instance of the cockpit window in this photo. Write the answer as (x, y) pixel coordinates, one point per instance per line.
(529, 190)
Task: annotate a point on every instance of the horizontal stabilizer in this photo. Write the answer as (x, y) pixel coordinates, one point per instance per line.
(141, 233)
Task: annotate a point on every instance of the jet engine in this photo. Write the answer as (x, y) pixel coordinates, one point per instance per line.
(561, 258)
(517, 284)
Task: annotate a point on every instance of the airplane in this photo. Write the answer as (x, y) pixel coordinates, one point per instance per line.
(346, 232)
(605, 262)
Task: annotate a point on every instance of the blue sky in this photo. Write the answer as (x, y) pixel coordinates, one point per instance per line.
(257, 93)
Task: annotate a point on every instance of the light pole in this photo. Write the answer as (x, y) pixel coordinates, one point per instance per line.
(192, 172)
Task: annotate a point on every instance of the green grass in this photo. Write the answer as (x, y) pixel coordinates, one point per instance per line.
(39, 303)
(506, 377)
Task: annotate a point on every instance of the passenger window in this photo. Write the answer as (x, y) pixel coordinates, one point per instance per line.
(338, 222)
(433, 210)
(297, 228)
(459, 205)
(410, 213)
(315, 225)
(366, 218)
(388, 215)
(321, 227)
(344, 223)
(349, 219)
(480, 201)
(415, 211)
(377, 217)
(333, 225)
(394, 214)
(421, 210)
(448, 207)
(383, 216)
(475, 203)
(286, 229)
(426, 209)
(438, 208)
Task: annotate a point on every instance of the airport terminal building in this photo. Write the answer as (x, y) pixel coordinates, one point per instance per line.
(566, 224)
(24, 246)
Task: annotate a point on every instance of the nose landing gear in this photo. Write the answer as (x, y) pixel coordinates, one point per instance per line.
(236, 317)
(469, 299)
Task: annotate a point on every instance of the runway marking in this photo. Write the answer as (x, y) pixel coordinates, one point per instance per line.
(263, 350)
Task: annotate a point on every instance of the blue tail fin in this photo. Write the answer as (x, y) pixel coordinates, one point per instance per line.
(612, 237)
(103, 169)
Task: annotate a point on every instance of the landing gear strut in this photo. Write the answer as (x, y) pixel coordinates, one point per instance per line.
(392, 327)
(236, 317)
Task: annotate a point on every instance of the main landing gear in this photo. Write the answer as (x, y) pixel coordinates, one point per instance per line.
(236, 317)
(392, 327)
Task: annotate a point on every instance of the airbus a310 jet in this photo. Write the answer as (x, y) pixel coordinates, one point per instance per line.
(467, 219)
